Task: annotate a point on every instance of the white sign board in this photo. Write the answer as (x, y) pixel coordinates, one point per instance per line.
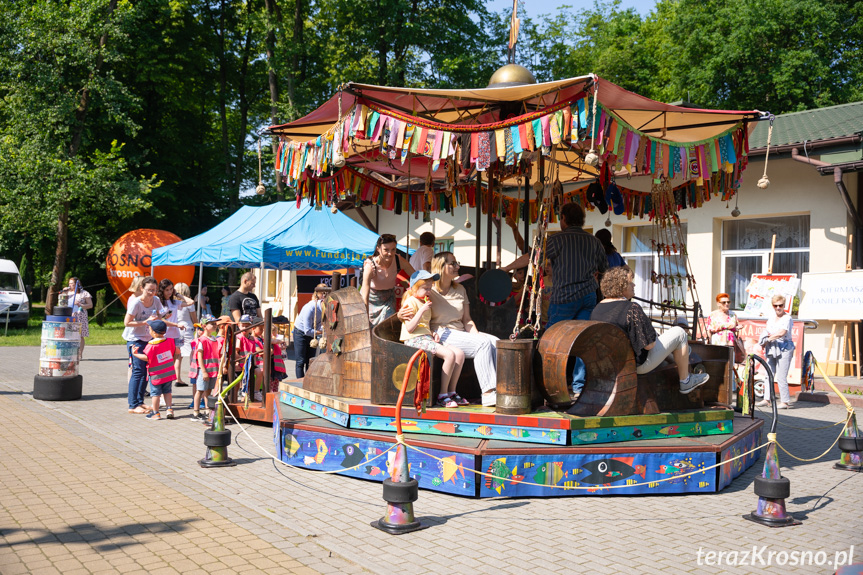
(836, 296)
(762, 288)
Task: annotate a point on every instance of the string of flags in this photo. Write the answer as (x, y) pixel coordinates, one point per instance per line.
(317, 167)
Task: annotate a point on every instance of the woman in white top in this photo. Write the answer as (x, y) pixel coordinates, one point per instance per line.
(138, 312)
(83, 302)
(778, 350)
(188, 317)
(177, 324)
(451, 321)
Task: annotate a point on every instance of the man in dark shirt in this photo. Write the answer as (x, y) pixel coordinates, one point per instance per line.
(575, 256)
(244, 301)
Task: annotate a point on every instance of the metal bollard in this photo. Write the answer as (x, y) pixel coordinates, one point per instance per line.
(851, 444)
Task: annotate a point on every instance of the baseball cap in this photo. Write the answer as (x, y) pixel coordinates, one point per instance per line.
(257, 321)
(245, 318)
(158, 326)
(208, 318)
(423, 275)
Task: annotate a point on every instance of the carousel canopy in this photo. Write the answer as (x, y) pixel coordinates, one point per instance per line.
(280, 235)
(382, 143)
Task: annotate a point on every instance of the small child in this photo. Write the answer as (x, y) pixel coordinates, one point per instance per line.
(159, 355)
(193, 359)
(207, 356)
(416, 333)
(278, 370)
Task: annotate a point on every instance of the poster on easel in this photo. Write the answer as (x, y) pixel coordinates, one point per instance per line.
(762, 288)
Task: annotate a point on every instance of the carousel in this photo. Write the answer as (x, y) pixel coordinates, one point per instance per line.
(517, 149)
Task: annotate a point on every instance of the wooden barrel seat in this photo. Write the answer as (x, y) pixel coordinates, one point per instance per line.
(612, 386)
(389, 361)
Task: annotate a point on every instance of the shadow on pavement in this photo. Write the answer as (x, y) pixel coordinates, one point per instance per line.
(435, 520)
(110, 537)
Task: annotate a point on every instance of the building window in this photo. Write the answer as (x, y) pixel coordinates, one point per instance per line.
(669, 272)
(746, 251)
(270, 289)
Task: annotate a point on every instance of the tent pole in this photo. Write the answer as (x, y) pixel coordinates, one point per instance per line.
(261, 284)
(200, 285)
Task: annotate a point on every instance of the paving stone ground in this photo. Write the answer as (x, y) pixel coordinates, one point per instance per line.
(86, 487)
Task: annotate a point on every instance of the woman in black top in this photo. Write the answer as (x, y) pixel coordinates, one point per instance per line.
(650, 350)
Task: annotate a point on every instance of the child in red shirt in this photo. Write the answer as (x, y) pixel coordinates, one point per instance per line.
(159, 355)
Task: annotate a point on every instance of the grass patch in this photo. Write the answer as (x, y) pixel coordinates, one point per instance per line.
(109, 334)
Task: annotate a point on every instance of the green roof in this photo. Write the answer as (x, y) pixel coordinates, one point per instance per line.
(820, 124)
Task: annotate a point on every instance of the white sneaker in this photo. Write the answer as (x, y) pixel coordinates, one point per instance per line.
(258, 396)
(489, 399)
(695, 380)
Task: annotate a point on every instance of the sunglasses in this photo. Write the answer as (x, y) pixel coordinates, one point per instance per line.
(454, 263)
(779, 306)
(725, 302)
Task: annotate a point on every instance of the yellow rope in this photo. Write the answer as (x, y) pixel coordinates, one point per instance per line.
(595, 487)
(823, 454)
(833, 387)
(285, 463)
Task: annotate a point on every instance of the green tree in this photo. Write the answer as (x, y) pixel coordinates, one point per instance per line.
(59, 101)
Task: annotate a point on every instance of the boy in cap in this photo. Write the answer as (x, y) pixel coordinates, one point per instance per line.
(207, 354)
(159, 355)
(416, 332)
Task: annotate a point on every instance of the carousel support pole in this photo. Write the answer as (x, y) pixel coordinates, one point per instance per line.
(400, 490)
(336, 282)
(525, 214)
(771, 488)
(488, 207)
(478, 206)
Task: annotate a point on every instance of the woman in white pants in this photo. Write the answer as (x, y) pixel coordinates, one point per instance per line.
(779, 351)
(451, 322)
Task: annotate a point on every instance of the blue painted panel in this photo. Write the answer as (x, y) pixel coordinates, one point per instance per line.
(731, 469)
(363, 458)
(309, 406)
(582, 474)
(461, 429)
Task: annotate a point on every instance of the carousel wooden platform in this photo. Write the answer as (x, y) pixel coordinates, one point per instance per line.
(313, 439)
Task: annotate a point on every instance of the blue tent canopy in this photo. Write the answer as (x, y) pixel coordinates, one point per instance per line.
(281, 236)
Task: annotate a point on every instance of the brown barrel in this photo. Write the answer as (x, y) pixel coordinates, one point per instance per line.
(514, 375)
(611, 385)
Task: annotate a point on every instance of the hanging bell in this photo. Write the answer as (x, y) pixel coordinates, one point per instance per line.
(591, 159)
(763, 183)
(260, 190)
(313, 344)
(323, 342)
(334, 209)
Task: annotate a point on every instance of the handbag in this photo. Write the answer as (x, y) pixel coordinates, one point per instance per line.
(739, 350)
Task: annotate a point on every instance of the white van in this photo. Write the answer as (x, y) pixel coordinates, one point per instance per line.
(13, 299)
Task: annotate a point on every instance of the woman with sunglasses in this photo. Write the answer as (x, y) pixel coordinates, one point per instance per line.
(451, 321)
(379, 279)
(778, 350)
(722, 324)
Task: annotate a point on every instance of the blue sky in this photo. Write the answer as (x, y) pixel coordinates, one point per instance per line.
(536, 7)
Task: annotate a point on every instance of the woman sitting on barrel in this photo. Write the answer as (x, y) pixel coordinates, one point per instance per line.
(617, 287)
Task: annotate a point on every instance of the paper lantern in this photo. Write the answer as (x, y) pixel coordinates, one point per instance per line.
(130, 257)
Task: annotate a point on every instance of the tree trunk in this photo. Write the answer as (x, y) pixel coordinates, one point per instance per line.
(59, 270)
(244, 116)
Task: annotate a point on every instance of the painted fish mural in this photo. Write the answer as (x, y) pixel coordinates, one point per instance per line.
(550, 473)
(448, 469)
(500, 475)
(291, 445)
(444, 427)
(604, 471)
(353, 455)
